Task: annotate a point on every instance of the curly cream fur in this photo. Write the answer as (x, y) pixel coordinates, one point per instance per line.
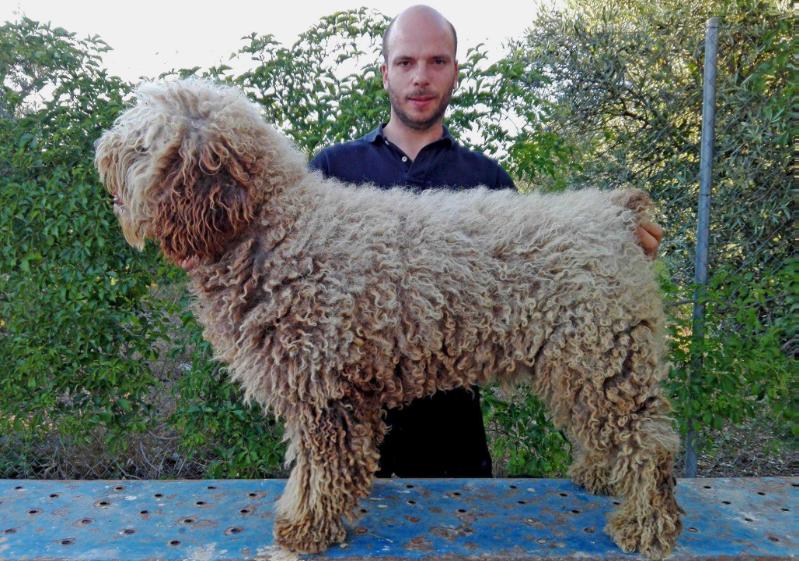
(330, 302)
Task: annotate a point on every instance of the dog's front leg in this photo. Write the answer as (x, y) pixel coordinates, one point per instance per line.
(334, 451)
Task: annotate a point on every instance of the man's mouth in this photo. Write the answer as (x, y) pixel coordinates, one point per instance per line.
(421, 100)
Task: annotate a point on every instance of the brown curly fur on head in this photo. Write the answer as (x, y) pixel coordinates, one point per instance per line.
(180, 175)
(330, 303)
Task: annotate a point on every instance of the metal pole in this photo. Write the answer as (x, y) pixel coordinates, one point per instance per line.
(703, 226)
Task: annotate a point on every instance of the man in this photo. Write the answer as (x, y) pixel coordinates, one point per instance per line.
(441, 436)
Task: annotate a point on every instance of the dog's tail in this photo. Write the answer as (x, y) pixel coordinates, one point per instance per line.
(635, 200)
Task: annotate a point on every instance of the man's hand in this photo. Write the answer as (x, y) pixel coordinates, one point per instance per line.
(649, 236)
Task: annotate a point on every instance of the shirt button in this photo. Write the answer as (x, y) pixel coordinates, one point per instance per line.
(405, 158)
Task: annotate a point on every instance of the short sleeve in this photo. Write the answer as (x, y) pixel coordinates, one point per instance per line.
(320, 163)
(504, 180)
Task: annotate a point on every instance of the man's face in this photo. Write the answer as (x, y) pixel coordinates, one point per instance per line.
(420, 73)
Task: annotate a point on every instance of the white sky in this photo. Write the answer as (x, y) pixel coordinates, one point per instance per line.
(150, 37)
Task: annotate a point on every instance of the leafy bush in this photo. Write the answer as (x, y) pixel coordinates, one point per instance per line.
(75, 327)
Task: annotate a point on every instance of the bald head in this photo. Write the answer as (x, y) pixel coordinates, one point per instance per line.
(414, 18)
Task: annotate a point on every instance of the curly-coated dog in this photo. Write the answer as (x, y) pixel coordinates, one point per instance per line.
(330, 303)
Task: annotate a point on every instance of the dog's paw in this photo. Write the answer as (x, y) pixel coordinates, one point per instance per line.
(653, 535)
(308, 536)
(592, 477)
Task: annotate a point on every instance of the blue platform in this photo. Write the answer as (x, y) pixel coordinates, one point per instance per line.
(485, 519)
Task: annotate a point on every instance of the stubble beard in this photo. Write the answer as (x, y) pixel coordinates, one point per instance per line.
(416, 124)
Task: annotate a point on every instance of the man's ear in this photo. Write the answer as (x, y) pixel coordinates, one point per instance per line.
(384, 74)
(208, 200)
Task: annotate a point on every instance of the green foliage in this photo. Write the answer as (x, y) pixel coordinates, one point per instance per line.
(75, 333)
(744, 364)
(523, 440)
(623, 90)
(233, 439)
(326, 87)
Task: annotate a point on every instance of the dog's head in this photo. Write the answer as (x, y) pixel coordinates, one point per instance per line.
(187, 166)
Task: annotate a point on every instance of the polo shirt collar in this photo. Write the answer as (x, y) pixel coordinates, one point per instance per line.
(376, 135)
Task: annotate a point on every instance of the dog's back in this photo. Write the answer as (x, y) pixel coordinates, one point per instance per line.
(441, 277)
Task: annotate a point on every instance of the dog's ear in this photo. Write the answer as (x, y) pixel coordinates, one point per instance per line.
(209, 198)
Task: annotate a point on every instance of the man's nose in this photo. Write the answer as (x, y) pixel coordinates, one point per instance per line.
(420, 75)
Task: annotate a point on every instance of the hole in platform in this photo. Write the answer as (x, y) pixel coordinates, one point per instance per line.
(575, 511)
(364, 511)
(86, 521)
(245, 511)
(68, 541)
(411, 502)
(102, 503)
(761, 493)
(233, 531)
(513, 487)
(617, 503)
(10, 531)
(144, 512)
(456, 493)
(588, 530)
(211, 487)
(748, 519)
(563, 494)
(783, 509)
(188, 520)
(726, 502)
(774, 538)
(693, 530)
(54, 495)
(409, 486)
(461, 510)
(19, 488)
(128, 531)
(119, 488)
(200, 503)
(174, 543)
(34, 511)
(159, 495)
(708, 487)
(252, 495)
(522, 502)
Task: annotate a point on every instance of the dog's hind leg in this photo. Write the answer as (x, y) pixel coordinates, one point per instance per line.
(335, 456)
(610, 404)
(649, 518)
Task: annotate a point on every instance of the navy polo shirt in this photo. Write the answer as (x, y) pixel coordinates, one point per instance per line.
(443, 435)
(443, 163)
